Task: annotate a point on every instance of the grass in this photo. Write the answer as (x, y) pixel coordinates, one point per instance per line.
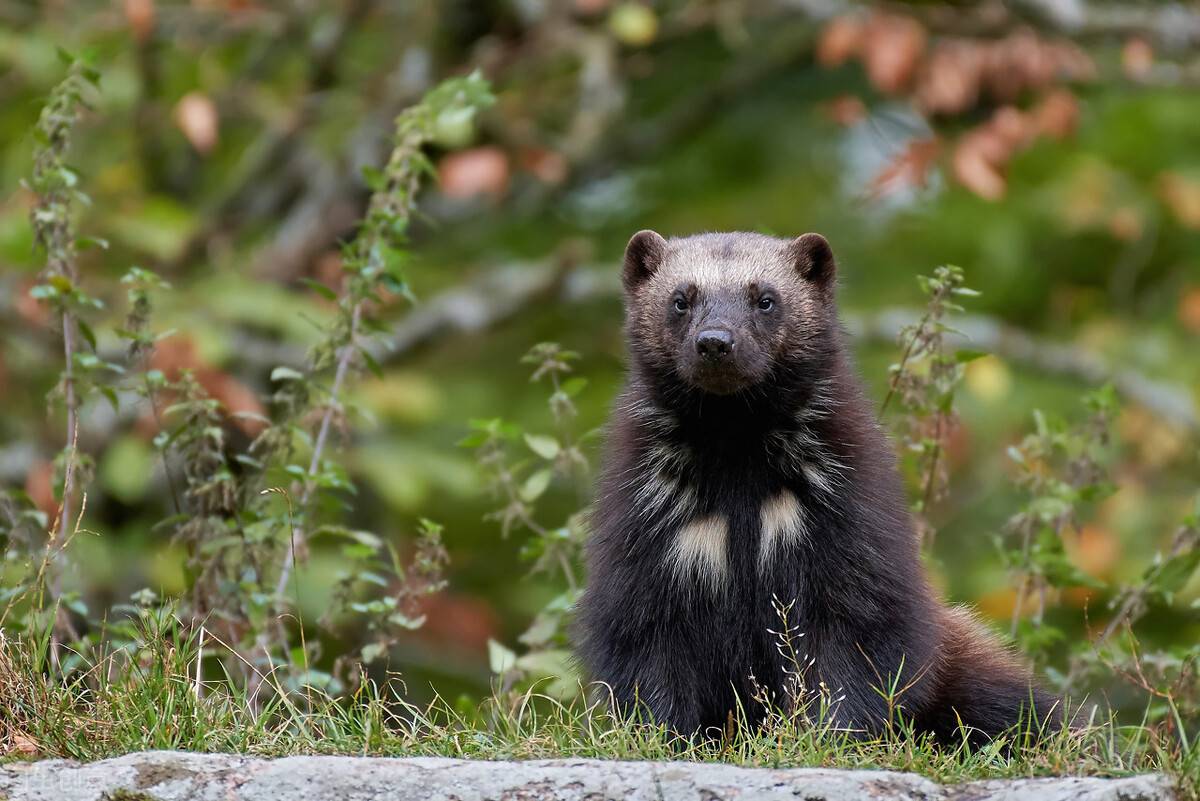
(150, 697)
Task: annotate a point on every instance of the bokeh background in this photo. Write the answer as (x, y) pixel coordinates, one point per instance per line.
(1050, 149)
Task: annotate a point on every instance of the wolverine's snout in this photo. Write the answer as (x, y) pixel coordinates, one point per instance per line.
(714, 344)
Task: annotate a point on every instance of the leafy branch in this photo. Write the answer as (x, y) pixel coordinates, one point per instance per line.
(373, 263)
(519, 485)
(1061, 468)
(924, 381)
(56, 190)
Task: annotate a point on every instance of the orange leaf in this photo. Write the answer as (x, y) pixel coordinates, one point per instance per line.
(39, 486)
(1095, 550)
(840, 40)
(478, 171)
(1182, 197)
(196, 116)
(975, 168)
(1189, 309)
(140, 15)
(1057, 114)
(891, 50)
(548, 166)
(910, 167)
(949, 82)
(1137, 58)
(1125, 223)
(23, 744)
(845, 110)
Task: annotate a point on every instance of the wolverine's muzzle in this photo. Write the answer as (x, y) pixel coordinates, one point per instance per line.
(714, 344)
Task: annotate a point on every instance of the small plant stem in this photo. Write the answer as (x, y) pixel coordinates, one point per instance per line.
(62, 621)
(158, 423)
(1180, 544)
(345, 356)
(1019, 600)
(567, 571)
(931, 479)
(64, 521)
(912, 343)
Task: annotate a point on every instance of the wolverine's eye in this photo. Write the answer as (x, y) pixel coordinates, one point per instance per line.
(766, 303)
(681, 304)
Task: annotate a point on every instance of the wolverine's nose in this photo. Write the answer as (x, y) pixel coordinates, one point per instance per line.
(714, 344)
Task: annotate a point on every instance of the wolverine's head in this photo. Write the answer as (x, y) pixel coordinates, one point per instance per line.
(722, 313)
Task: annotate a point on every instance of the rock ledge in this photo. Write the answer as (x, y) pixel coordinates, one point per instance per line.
(172, 776)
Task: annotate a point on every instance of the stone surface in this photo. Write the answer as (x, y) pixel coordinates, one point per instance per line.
(168, 776)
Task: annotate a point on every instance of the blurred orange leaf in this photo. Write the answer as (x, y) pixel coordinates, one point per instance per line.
(975, 170)
(891, 49)
(949, 81)
(176, 354)
(1182, 196)
(548, 166)
(1057, 114)
(841, 40)
(1095, 550)
(1137, 58)
(846, 110)
(588, 7)
(910, 167)
(196, 116)
(1189, 309)
(21, 743)
(1125, 224)
(140, 15)
(478, 171)
(39, 486)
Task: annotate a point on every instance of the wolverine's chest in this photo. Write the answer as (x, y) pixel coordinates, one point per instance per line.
(724, 506)
(737, 542)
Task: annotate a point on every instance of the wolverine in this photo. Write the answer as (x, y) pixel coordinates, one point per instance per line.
(746, 476)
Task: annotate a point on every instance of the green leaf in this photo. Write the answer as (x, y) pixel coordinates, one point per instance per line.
(110, 395)
(574, 386)
(542, 630)
(61, 283)
(374, 178)
(88, 334)
(543, 445)
(319, 288)
(967, 355)
(87, 361)
(536, 485)
(89, 242)
(405, 621)
(125, 468)
(373, 651)
(500, 658)
(1175, 573)
(371, 362)
(474, 439)
(286, 374)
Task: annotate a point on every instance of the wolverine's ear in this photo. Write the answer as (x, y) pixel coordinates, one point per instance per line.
(643, 255)
(813, 258)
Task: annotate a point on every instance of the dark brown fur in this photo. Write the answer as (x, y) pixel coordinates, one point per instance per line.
(745, 466)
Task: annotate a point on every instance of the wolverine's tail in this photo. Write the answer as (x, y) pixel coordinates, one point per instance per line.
(984, 690)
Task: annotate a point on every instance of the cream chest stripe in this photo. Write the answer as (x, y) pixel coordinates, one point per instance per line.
(782, 522)
(699, 551)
